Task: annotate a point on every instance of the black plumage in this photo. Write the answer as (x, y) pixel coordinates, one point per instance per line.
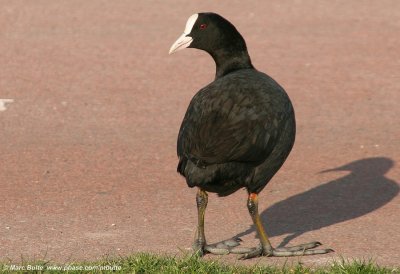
(237, 132)
(239, 129)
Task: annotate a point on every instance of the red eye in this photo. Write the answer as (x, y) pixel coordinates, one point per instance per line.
(203, 26)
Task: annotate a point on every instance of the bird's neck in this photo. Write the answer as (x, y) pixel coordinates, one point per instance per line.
(227, 61)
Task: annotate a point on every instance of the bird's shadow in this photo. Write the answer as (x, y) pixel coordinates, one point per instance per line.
(363, 190)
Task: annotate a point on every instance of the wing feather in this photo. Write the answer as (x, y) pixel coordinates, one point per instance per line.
(235, 122)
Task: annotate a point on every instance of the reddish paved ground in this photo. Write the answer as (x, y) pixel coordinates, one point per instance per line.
(88, 146)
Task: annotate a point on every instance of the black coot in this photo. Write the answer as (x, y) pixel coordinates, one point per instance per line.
(237, 131)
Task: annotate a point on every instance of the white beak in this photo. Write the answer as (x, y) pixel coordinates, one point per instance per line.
(183, 42)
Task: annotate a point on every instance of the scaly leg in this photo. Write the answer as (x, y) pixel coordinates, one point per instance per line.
(265, 248)
(200, 241)
(199, 246)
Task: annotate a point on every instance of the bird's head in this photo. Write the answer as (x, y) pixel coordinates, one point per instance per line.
(209, 32)
(217, 36)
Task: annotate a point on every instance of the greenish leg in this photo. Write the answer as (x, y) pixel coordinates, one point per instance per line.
(200, 241)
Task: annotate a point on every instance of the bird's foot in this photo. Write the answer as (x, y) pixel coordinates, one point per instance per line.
(298, 250)
(232, 246)
(221, 248)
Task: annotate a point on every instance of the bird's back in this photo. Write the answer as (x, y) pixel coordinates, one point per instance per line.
(233, 127)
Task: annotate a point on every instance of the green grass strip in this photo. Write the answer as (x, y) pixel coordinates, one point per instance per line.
(149, 263)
